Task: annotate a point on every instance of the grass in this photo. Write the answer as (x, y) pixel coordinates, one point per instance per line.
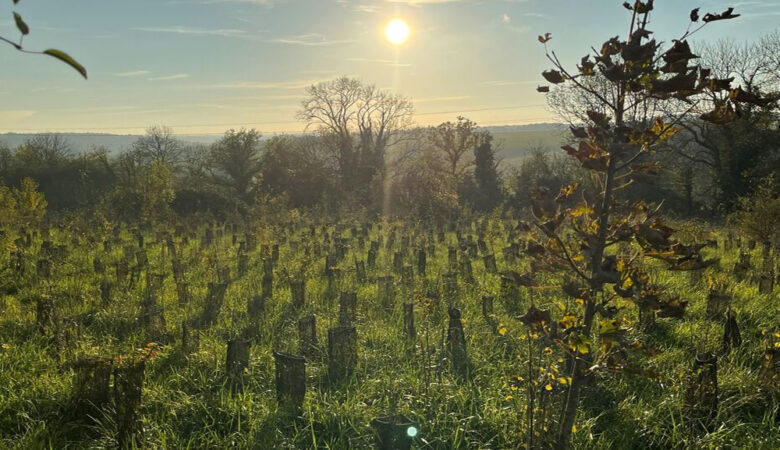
(189, 402)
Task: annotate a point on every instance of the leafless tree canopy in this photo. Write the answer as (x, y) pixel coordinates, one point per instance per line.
(160, 145)
(47, 148)
(358, 123)
(455, 142)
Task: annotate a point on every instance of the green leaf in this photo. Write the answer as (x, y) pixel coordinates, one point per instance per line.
(67, 59)
(23, 28)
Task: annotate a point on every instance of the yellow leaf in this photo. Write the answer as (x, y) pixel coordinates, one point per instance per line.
(563, 380)
(548, 387)
(574, 428)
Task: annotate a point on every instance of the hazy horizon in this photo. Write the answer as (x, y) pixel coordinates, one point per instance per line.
(204, 66)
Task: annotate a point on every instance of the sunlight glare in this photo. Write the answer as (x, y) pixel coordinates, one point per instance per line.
(397, 31)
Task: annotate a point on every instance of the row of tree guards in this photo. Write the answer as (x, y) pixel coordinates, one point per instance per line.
(99, 382)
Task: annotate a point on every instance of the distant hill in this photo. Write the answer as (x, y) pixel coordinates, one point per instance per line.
(514, 141)
(82, 142)
(516, 144)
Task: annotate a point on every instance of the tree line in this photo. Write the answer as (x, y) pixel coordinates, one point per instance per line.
(363, 153)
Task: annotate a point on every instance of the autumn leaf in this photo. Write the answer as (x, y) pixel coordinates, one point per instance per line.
(553, 76)
(536, 318)
(721, 114)
(725, 15)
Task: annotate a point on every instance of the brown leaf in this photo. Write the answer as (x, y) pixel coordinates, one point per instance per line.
(695, 15)
(643, 8)
(679, 51)
(727, 14)
(579, 132)
(611, 47)
(536, 318)
(719, 84)
(721, 114)
(600, 119)
(553, 76)
(740, 95)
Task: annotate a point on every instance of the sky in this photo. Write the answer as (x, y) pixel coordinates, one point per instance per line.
(204, 66)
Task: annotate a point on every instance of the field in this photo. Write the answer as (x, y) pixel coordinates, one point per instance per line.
(514, 146)
(111, 336)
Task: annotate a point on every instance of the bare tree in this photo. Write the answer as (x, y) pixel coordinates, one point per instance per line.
(45, 149)
(455, 142)
(746, 148)
(357, 123)
(160, 145)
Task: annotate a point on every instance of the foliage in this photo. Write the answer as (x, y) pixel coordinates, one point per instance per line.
(759, 215)
(22, 207)
(541, 170)
(235, 163)
(577, 234)
(297, 168)
(24, 30)
(69, 181)
(143, 193)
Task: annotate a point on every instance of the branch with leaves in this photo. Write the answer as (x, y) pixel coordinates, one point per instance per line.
(610, 144)
(24, 30)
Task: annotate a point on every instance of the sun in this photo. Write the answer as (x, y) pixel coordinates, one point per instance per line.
(397, 31)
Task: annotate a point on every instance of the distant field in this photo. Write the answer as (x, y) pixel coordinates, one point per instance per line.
(514, 146)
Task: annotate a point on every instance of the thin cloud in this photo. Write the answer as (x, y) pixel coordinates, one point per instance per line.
(224, 32)
(178, 76)
(366, 9)
(133, 73)
(311, 39)
(498, 83)
(278, 85)
(385, 62)
(15, 114)
(441, 99)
